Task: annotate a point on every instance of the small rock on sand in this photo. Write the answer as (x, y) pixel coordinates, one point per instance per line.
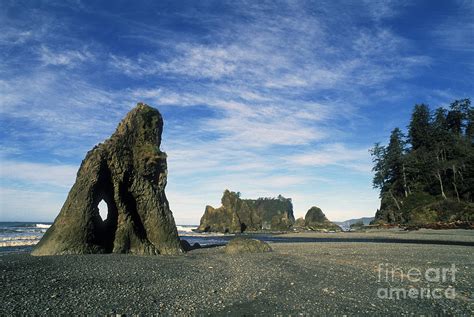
(244, 245)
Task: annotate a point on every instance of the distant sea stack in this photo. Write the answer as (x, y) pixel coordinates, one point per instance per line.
(128, 171)
(238, 215)
(316, 220)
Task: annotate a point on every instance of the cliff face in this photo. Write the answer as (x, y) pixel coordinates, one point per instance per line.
(316, 220)
(238, 215)
(128, 171)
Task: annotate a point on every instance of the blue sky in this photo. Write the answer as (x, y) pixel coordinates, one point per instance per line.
(261, 97)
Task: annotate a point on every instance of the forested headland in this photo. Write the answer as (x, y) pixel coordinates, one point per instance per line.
(426, 174)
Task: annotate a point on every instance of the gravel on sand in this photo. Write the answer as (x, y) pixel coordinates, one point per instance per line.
(295, 278)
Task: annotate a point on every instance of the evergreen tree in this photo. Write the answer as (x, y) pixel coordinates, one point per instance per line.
(419, 129)
(442, 143)
(395, 161)
(458, 115)
(378, 154)
(470, 124)
(440, 125)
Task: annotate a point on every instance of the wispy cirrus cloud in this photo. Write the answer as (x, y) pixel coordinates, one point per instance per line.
(263, 97)
(456, 33)
(12, 36)
(254, 82)
(68, 58)
(383, 9)
(336, 154)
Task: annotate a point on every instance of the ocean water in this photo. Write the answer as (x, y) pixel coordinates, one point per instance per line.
(186, 232)
(22, 236)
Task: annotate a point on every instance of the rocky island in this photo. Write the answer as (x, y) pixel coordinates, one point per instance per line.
(316, 220)
(128, 171)
(237, 215)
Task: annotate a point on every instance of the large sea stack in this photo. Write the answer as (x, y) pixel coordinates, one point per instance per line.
(237, 215)
(128, 171)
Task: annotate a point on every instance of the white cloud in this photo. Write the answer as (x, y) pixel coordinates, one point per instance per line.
(263, 131)
(292, 53)
(275, 82)
(382, 9)
(256, 82)
(69, 58)
(62, 176)
(59, 113)
(12, 36)
(335, 154)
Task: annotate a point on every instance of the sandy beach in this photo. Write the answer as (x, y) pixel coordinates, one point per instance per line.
(454, 235)
(296, 278)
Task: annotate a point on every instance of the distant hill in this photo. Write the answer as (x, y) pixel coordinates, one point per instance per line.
(345, 225)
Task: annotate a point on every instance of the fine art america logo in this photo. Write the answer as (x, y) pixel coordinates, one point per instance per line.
(432, 275)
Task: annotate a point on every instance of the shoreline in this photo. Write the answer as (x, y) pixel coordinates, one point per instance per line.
(296, 278)
(460, 237)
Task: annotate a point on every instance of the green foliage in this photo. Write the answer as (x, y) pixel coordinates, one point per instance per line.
(267, 207)
(378, 153)
(435, 163)
(443, 211)
(414, 201)
(419, 130)
(423, 215)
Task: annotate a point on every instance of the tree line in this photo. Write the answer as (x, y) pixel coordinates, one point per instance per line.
(435, 157)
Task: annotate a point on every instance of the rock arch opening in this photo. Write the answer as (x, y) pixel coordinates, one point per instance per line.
(105, 220)
(103, 210)
(105, 228)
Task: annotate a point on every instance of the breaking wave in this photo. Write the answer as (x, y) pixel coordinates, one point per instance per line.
(43, 226)
(185, 228)
(20, 234)
(19, 241)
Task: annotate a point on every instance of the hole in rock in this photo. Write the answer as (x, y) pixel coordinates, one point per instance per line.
(103, 210)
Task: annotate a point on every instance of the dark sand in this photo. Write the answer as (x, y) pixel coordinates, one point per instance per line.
(296, 278)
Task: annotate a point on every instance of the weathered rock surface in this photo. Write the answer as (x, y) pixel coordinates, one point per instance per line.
(244, 245)
(238, 215)
(300, 223)
(128, 171)
(316, 220)
(186, 246)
